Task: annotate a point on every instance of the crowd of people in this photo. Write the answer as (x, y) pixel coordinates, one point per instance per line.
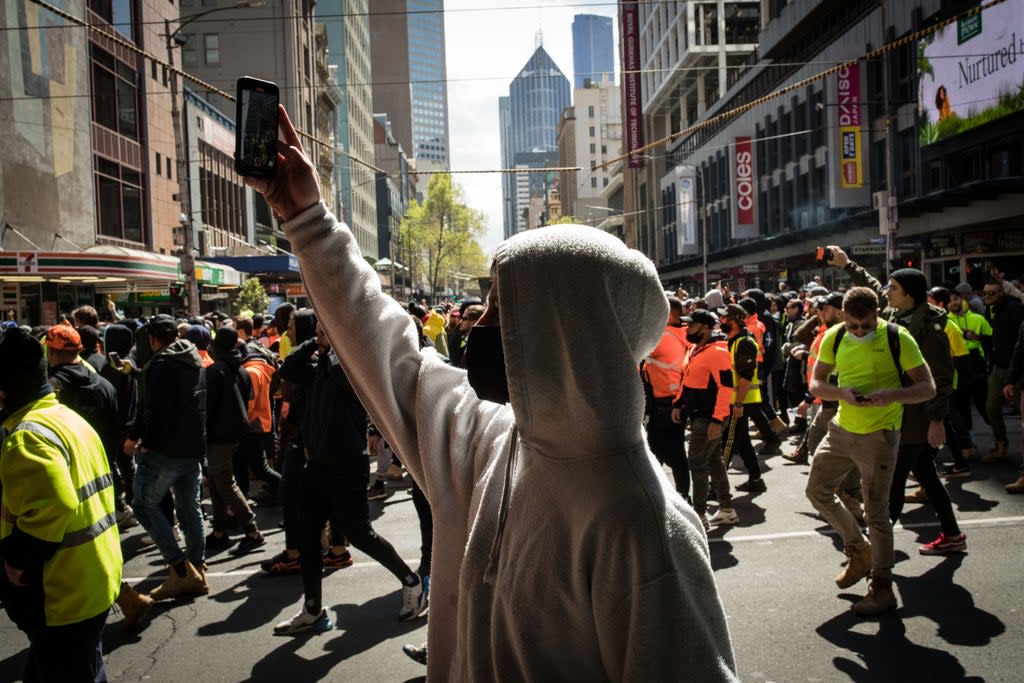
(122, 422)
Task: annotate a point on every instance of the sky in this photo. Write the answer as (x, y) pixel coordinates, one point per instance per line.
(487, 42)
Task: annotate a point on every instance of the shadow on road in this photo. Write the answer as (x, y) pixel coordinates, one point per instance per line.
(257, 607)
(361, 628)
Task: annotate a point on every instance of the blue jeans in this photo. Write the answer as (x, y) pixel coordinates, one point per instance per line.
(155, 475)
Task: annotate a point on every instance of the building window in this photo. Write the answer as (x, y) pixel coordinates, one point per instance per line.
(168, 167)
(590, 111)
(119, 200)
(157, 165)
(190, 54)
(593, 182)
(592, 131)
(115, 94)
(211, 48)
(117, 13)
(593, 148)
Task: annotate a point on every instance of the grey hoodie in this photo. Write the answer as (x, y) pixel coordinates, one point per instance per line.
(561, 552)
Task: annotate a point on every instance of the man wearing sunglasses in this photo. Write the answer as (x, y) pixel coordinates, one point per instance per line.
(1005, 315)
(865, 435)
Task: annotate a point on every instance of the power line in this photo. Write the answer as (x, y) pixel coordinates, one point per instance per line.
(801, 84)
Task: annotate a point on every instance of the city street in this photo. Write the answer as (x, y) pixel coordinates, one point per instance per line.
(960, 617)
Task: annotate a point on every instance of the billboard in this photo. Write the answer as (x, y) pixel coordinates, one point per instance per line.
(744, 188)
(847, 138)
(972, 72)
(631, 95)
(686, 196)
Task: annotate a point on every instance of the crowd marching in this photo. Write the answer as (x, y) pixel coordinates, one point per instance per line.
(111, 422)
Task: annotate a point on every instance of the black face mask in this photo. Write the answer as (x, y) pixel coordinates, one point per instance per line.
(694, 337)
(485, 364)
(727, 328)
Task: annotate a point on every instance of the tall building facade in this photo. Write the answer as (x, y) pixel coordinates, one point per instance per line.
(348, 39)
(810, 167)
(528, 121)
(410, 79)
(593, 49)
(590, 133)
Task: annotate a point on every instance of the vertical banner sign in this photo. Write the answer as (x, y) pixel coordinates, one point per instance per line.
(631, 96)
(686, 197)
(744, 189)
(851, 167)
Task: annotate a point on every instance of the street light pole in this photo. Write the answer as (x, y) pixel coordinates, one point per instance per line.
(188, 259)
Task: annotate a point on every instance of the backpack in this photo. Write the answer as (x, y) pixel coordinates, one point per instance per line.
(892, 333)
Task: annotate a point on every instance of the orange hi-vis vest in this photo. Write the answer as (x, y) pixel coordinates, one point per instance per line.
(706, 388)
(260, 372)
(757, 330)
(812, 356)
(663, 368)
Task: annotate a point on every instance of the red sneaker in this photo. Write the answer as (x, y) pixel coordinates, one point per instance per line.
(945, 544)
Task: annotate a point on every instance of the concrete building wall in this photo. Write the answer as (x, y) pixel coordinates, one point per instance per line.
(46, 179)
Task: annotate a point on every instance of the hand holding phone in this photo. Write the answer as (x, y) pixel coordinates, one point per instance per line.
(823, 254)
(256, 123)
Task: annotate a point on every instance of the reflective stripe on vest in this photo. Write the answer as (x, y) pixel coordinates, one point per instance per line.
(90, 532)
(753, 394)
(47, 434)
(95, 486)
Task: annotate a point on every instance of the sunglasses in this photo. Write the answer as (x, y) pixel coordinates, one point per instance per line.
(989, 292)
(866, 327)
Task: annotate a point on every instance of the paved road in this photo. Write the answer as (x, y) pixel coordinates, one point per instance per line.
(961, 617)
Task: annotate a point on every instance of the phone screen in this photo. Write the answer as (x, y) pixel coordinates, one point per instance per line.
(256, 146)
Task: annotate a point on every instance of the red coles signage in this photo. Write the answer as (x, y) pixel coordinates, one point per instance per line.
(745, 215)
(631, 95)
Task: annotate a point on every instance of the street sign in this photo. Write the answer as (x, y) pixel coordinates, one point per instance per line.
(864, 249)
(968, 28)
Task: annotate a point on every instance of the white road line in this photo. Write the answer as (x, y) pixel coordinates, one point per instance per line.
(781, 536)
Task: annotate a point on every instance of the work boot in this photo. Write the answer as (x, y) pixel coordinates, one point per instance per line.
(192, 584)
(880, 598)
(799, 457)
(858, 566)
(1017, 486)
(779, 426)
(134, 605)
(997, 454)
(799, 425)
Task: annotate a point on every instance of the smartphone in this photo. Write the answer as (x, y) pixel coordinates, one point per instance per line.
(823, 254)
(114, 359)
(256, 127)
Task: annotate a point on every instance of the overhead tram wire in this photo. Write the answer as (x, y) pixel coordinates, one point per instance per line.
(785, 90)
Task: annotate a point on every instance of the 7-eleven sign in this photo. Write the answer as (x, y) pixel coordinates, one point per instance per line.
(28, 262)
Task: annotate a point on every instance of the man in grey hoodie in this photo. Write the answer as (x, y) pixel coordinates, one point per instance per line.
(496, 475)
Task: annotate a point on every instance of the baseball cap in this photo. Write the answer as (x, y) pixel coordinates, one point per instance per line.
(734, 312)
(701, 317)
(834, 299)
(162, 325)
(63, 338)
(964, 289)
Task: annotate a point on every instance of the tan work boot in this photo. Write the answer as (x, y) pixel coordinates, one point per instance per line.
(858, 566)
(192, 584)
(997, 454)
(778, 426)
(918, 495)
(134, 605)
(880, 598)
(1017, 486)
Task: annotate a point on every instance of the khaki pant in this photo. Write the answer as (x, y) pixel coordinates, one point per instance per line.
(705, 462)
(874, 457)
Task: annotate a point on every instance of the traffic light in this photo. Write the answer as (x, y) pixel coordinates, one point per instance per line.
(175, 290)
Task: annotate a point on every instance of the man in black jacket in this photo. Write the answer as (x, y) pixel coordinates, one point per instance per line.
(170, 432)
(228, 390)
(335, 477)
(1005, 314)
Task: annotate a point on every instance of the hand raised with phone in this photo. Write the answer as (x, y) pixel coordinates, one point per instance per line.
(295, 186)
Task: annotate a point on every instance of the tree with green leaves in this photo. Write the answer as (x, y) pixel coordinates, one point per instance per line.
(440, 236)
(252, 298)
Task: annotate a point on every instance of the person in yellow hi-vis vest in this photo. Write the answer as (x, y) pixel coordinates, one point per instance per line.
(58, 534)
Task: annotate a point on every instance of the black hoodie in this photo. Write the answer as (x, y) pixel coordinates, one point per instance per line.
(228, 391)
(171, 419)
(119, 339)
(92, 397)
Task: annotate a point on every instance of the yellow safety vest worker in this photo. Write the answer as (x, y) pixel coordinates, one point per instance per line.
(57, 488)
(754, 390)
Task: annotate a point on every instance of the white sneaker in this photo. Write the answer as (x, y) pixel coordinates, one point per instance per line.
(414, 602)
(724, 516)
(304, 621)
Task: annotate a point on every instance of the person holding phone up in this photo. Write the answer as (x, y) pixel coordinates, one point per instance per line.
(533, 459)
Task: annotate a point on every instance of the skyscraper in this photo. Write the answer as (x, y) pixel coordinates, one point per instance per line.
(410, 76)
(529, 121)
(593, 49)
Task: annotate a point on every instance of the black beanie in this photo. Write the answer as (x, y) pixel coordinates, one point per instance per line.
(913, 282)
(24, 369)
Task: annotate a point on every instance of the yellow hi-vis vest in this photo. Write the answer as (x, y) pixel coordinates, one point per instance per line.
(754, 390)
(57, 487)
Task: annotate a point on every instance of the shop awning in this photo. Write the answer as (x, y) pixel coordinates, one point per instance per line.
(217, 274)
(96, 265)
(277, 264)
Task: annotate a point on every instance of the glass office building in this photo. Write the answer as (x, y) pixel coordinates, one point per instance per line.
(593, 49)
